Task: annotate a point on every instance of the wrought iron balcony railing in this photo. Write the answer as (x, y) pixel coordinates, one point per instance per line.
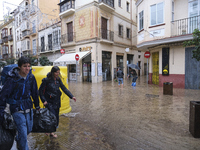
(1, 41)
(5, 40)
(25, 33)
(10, 37)
(67, 38)
(107, 35)
(49, 47)
(108, 2)
(66, 5)
(185, 26)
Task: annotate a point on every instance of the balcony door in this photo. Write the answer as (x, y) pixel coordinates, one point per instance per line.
(70, 32)
(104, 27)
(194, 12)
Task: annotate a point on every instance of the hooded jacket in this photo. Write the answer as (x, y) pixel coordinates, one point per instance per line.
(49, 91)
(18, 91)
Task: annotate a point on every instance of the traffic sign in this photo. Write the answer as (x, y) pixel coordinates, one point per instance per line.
(147, 54)
(77, 57)
(62, 51)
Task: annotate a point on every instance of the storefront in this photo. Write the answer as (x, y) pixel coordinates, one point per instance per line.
(86, 69)
(83, 62)
(106, 66)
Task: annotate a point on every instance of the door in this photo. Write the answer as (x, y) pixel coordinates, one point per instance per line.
(70, 32)
(194, 20)
(192, 70)
(155, 76)
(104, 27)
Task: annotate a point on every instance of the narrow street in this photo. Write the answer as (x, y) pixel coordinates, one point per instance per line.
(111, 118)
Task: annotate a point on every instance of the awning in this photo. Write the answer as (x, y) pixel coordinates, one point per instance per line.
(70, 58)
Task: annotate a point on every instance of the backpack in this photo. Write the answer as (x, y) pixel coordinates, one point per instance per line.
(5, 71)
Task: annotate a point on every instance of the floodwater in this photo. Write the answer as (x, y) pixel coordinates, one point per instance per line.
(109, 117)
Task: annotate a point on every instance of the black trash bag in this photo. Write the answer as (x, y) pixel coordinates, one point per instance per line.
(8, 122)
(6, 138)
(44, 121)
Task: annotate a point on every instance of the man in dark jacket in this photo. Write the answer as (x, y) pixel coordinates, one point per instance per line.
(120, 75)
(17, 91)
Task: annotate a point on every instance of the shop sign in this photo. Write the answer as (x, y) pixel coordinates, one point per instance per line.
(87, 48)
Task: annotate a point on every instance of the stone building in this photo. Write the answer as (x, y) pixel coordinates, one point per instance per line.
(103, 33)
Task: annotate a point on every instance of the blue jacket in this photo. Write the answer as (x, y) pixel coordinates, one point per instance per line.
(18, 91)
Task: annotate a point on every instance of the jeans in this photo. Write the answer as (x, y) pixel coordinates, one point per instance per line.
(24, 123)
(120, 80)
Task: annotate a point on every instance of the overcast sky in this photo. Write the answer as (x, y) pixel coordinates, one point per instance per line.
(6, 5)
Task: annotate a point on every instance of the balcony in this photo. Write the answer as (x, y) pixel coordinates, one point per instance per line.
(25, 26)
(68, 39)
(185, 26)
(1, 41)
(107, 36)
(10, 37)
(67, 7)
(5, 40)
(33, 31)
(32, 10)
(25, 34)
(107, 5)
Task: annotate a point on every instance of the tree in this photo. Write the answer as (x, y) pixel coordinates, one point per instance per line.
(10, 61)
(34, 61)
(194, 42)
(2, 64)
(44, 61)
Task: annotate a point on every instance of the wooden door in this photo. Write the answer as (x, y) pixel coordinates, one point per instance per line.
(104, 27)
(70, 32)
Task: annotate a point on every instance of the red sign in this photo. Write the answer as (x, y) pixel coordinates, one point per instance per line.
(62, 51)
(147, 54)
(77, 57)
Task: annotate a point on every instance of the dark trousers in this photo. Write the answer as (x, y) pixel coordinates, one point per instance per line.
(55, 111)
(134, 79)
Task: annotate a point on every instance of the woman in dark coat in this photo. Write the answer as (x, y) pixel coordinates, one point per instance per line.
(50, 93)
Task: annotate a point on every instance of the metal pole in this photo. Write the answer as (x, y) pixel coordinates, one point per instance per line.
(76, 70)
(147, 70)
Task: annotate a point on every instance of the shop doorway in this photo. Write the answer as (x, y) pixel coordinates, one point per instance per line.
(155, 75)
(129, 61)
(106, 66)
(120, 61)
(86, 62)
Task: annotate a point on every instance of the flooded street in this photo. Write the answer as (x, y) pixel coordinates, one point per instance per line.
(113, 118)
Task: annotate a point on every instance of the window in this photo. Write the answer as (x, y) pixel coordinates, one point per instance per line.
(127, 6)
(55, 37)
(10, 31)
(119, 3)
(157, 13)
(42, 44)
(50, 42)
(128, 33)
(120, 30)
(34, 47)
(172, 10)
(141, 20)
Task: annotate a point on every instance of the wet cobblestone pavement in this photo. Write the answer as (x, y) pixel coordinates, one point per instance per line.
(114, 118)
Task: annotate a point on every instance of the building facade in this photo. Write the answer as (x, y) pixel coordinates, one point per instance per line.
(163, 26)
(31, 16)
(6, 38)
(103, 34)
